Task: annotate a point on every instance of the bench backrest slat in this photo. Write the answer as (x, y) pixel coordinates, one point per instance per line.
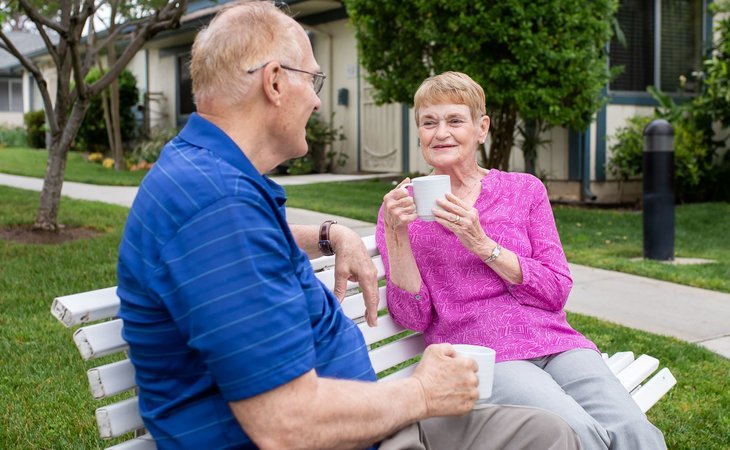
(111, 379)
(119, 418)
(354, 306)
(394, 353)
(86, 307)
(144, 442)
(386, 328)
(100, 339)
(327, 276)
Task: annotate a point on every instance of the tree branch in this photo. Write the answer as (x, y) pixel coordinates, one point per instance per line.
(31, 67)
(78, 71)
(91, 52)
(166, 18)
(120, 29)
(37, 18)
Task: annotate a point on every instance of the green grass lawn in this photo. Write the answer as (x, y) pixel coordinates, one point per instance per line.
(45, 398)
(607, 239)
(32, 163)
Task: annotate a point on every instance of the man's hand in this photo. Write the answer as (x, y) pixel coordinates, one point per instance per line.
(449, 381)
(353, 263)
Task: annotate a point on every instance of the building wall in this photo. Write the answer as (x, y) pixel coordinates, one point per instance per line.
(13, 119)
(335, 49)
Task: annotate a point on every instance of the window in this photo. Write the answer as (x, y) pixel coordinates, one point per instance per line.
(185, 86)
(11, 95)
(663, 44)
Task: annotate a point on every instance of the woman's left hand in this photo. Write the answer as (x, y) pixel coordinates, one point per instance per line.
(463, 221)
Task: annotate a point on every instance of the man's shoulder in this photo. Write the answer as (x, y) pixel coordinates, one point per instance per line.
(186, 182)
(192, 177)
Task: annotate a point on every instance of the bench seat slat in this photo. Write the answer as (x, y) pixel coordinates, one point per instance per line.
(619, 361)
(111, 379)
(653, 390)
(119, 418)
(637, 371)
(86, 307)
(100, 339)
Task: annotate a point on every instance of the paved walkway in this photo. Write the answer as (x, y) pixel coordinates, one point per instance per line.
(691, 314)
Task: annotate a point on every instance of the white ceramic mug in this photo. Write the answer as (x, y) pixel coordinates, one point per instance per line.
(426, 190)
(484, 357)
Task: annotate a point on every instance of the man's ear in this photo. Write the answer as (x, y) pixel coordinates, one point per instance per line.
(272, 82)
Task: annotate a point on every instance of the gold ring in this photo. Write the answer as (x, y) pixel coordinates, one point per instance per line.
(458, 218)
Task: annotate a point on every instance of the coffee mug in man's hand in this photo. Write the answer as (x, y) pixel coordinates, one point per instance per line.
(484, 357)
(426, 190)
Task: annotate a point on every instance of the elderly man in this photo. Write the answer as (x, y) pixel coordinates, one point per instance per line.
(236, 344)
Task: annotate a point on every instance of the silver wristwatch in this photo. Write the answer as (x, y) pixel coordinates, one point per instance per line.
(495, 254)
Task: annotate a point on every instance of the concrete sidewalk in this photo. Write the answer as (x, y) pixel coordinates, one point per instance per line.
(691, 314)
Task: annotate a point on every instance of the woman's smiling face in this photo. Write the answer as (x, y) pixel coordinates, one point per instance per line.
(449, 135)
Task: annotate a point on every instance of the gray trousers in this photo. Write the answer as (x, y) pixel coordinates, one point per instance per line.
(579, 387)
(492, 428)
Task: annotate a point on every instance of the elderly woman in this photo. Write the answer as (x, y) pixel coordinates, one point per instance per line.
(490, 270)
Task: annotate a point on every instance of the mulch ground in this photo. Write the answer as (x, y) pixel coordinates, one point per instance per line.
(25, 235)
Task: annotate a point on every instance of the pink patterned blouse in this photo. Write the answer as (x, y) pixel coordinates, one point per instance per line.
(463, 301)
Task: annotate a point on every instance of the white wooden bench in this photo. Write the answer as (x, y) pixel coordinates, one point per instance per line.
(122, 417)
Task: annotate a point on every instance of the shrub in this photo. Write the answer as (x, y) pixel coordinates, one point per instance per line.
(35, 126)
(692, 155)
(320, 157)
(147, 151)
(11, 136)
(92, 135)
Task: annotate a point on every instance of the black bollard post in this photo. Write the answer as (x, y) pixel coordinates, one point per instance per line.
(659, 191)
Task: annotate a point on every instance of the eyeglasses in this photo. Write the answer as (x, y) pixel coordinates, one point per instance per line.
(317, 77)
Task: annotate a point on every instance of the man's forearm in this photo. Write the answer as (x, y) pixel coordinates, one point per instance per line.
(307, 237)
(321, 413)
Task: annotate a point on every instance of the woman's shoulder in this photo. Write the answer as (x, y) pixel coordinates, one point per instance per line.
(516, 181)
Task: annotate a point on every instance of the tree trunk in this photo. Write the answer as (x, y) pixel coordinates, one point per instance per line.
(503, 138)
(47, 216)
(115, 132)
(117, 149)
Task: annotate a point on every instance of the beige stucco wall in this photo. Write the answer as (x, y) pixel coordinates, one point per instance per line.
(335, 49)
(13, 119)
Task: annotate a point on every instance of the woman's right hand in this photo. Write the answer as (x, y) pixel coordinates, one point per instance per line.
(399, 209)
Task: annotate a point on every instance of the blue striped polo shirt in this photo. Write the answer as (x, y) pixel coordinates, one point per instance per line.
(218, 302)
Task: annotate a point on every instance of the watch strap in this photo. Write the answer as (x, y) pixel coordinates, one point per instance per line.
(325, 245)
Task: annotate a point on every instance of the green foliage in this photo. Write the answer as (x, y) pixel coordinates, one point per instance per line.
(148, 150)
(692, 162)
(35, 126)
(320, 157)
(544, 59)
(92, 135)
(717, 68)
(626, 153)
(11, 136)
(698, 177)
